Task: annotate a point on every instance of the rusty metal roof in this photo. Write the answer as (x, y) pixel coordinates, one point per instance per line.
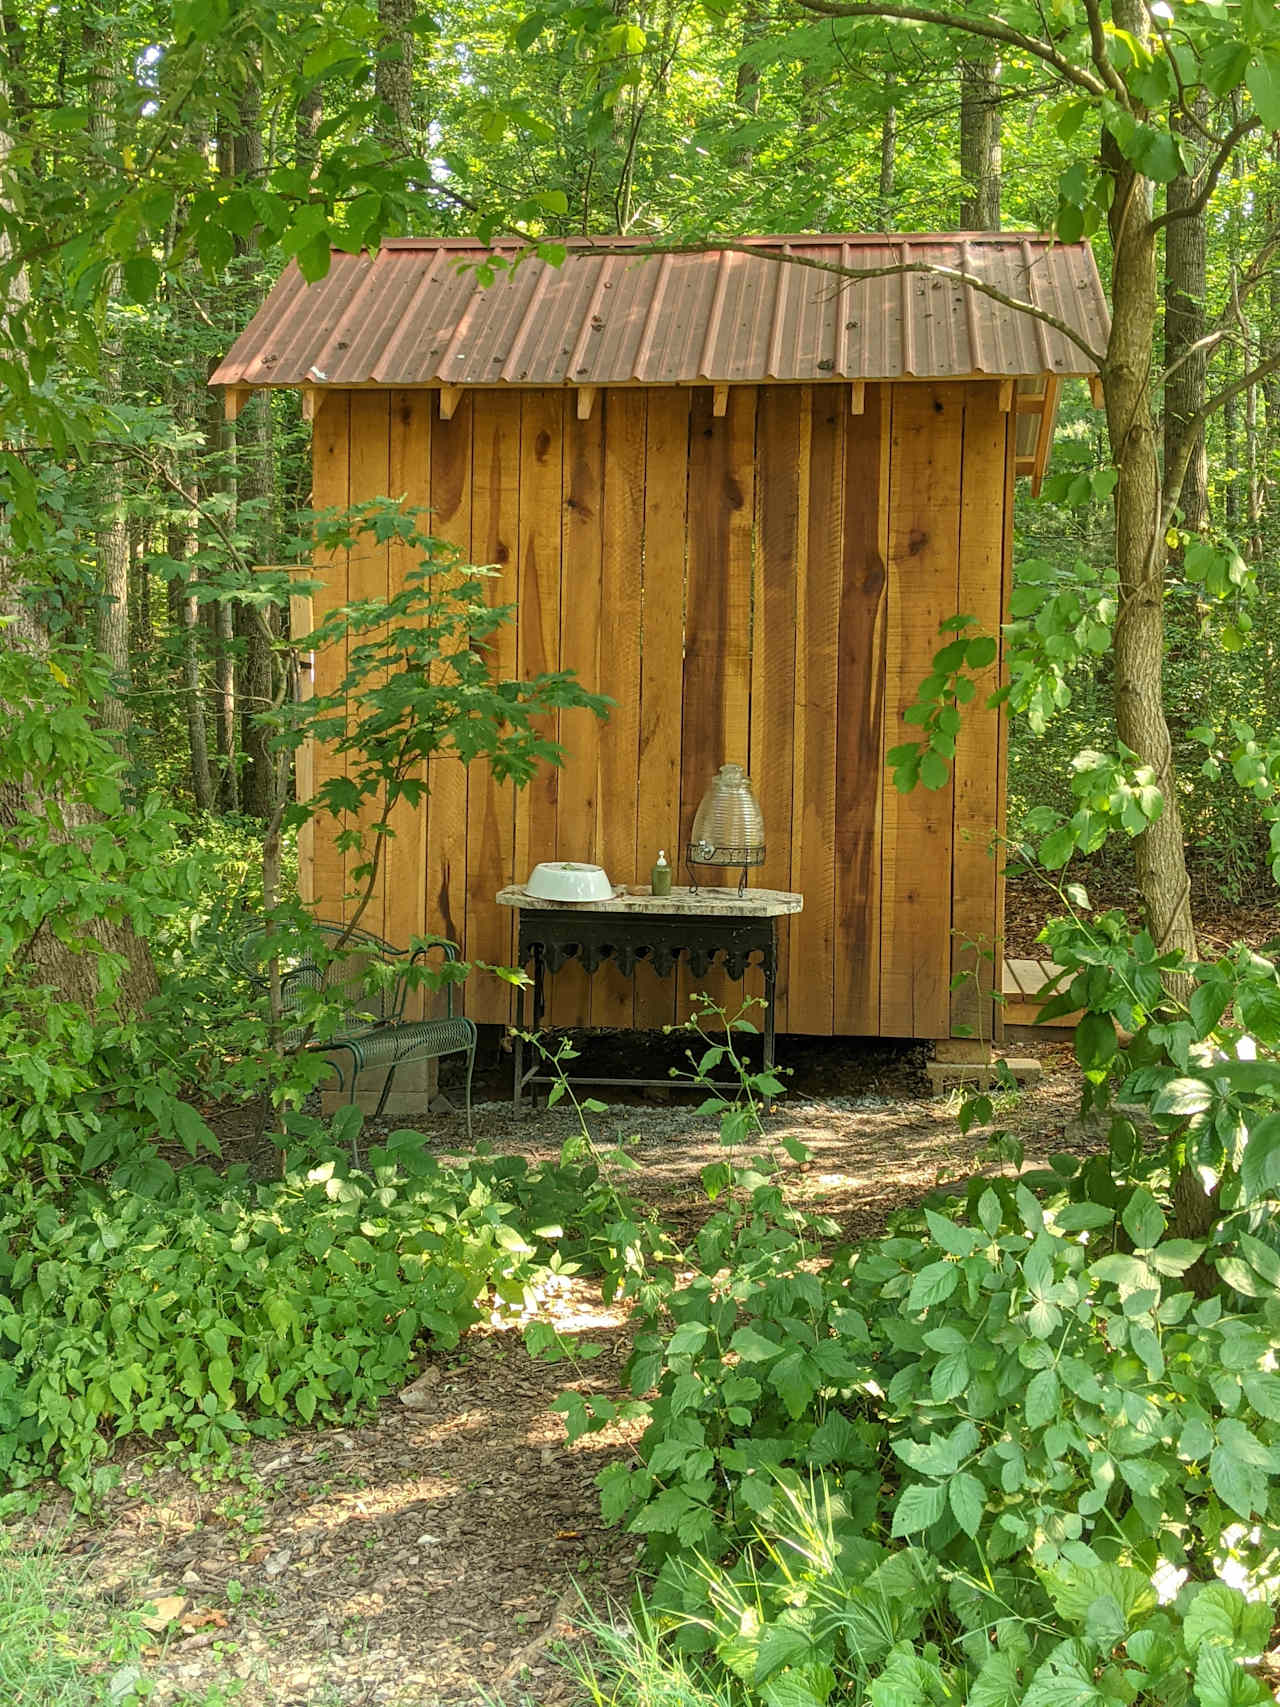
(415, 314)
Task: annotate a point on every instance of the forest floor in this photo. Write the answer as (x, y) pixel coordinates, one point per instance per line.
(438, 1553)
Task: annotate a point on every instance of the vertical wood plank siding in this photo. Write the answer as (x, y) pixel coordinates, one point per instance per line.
(764, 586)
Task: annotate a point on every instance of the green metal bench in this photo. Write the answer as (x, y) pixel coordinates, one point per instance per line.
(373, 1032)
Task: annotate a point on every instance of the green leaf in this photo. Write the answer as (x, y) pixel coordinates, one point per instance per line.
(1220, 1682)
(956, 1241)
(968, 1501)
(1231, 1480)
(1143, 1220)
(1065, 1678)
(920, 1505)
(191, 1129)
(932, 1285)
(1262, 1389)
(795, 1379)
(1040, 1406)
(1262, 79)
(1095, 1041)
(1221, 1616)
(688, 1339)
(1155, 153)
(1260, 1164)
(754, 1347)
(780, 1645)
(141, 278)
(935, 772)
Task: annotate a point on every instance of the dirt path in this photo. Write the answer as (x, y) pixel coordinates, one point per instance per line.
(433, 1555)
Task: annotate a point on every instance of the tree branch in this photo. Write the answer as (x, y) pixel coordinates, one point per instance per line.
(984, 27)
(1176, 473)
(1101, 58)
(1212, 172)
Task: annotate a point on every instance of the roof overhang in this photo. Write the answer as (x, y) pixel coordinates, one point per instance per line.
(435, 314)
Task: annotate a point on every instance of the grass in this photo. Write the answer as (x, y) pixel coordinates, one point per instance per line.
(60, 1646)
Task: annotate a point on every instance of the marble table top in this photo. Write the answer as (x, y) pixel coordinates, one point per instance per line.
(637, 898)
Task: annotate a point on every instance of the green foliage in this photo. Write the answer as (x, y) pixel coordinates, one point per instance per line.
(1008, 1423)
(217, 1310)
(419, 683)
(1062, 616)
(937, 707)
(815, 1613)
(1195, 1048)
(1254, 763)
(83, 866)
(1111, 793)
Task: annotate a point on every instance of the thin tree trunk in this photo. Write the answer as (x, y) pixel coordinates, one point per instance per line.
(1253, 483)
(140, 640)
(888, 159)
(184, 616)
(1184, 325)
(225, 691)
(1140, 544)
(980, 155)
(255, 492)
(111, 536)
(393, 74)
(310, 113)
(746, 91)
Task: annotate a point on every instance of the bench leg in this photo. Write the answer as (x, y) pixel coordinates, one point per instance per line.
(386, 1092)
(471, 1065)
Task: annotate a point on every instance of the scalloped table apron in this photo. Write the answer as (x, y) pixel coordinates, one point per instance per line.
(700, 926)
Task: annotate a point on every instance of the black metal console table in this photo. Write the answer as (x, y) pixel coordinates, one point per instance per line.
(700, 926)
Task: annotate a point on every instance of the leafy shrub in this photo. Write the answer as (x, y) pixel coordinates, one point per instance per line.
(222, 1310)
(1035, 1380)
(953, 1464)
(815, 1613)
(1192, 1049)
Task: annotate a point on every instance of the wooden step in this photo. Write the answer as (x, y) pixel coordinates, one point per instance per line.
(1021, 986)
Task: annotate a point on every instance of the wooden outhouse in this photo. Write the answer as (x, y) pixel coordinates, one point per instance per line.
(738, 492)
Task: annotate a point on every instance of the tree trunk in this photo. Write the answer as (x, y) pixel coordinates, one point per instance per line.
(393, 75)
(1231, 449)
(74, 976)
(1184, 325)
(111, 536)
(980, 144)
(888, 159)
(1253, 483)
(1141, 552)
(746, 91)
(310, 113)
(184, 617)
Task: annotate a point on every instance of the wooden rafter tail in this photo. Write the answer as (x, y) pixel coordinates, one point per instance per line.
(720, 400)
(450, 397)
(1044, 439)
(586, 401)
(234, 399)
(858, 397)
(310, 402)
(1006, 396)
(1096, 392)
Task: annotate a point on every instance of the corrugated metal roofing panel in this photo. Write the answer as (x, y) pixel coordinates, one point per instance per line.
(415, 314)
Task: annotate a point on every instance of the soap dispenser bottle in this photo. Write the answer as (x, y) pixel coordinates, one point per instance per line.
(661, 879)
